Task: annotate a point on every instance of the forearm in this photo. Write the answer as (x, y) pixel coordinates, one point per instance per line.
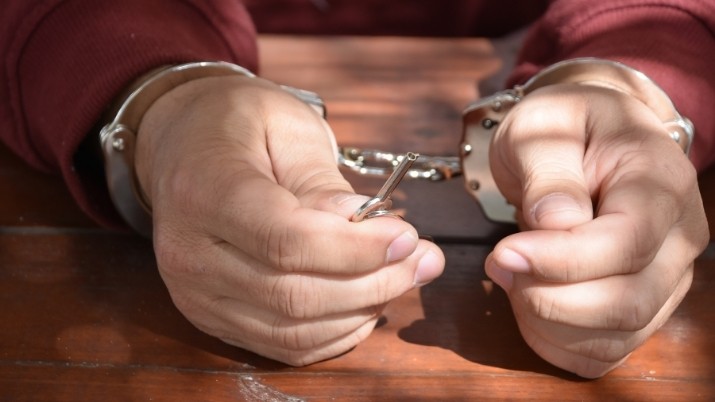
(67, 61)
(670, 41)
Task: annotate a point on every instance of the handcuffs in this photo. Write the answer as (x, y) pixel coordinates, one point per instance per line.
(480, 121)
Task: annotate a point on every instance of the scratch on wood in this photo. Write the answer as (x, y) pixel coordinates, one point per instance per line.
(254, 391)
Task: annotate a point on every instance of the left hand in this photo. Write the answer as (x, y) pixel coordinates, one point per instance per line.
(613, 221)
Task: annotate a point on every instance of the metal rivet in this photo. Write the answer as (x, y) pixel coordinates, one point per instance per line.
(488, 123)
(466, 149)
(118, 144)
(474, 185)
(675, 136)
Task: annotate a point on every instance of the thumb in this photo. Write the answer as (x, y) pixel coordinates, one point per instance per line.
(557, 207)
(554, 193)
(545, 159)
(337, 201)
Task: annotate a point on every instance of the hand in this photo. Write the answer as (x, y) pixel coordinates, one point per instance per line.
(251, 223)
(613, 219)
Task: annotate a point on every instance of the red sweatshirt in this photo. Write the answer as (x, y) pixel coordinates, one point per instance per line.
(63, 61)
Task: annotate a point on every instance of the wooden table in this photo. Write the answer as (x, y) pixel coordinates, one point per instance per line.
(86, 317)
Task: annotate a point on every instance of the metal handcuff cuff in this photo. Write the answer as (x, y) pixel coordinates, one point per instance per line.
(480, 120)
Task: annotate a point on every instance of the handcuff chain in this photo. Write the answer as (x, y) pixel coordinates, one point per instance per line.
(372, 162)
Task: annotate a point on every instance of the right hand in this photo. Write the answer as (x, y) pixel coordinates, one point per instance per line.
(251, 223)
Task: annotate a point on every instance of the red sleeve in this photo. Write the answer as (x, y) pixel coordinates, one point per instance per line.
(672, 41)
(65, 61)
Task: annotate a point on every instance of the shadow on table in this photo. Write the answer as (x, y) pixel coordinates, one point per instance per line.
(468, 314)
(96, 296)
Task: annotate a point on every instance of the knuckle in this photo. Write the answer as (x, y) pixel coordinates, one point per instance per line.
(605, 350)
(572, 268)
(637, 246)
(297, 358)
(631, 250)
(382, 289)
(632, 313)
(544, 176)
(286, 249)
(323, 351)
(297, 336)
(287, 336)
(294, 296)
(684, 176)
(542, 307)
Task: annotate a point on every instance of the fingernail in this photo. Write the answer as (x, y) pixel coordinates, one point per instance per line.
(512, 261)
(402, 247)
(559, 203)
(501, 277)
(428, 268)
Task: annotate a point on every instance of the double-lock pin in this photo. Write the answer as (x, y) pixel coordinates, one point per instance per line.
(380, 204)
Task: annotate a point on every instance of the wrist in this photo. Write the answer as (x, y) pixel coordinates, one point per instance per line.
(620, 77)
(179, 123)
(118, 138)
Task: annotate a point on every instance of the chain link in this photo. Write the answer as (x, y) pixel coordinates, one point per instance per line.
(371, 162)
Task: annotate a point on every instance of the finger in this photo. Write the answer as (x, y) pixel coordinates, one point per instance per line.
(609, 245)
(638, 210)
(603, 345)
(587, 352)
(225, 317)
(304, 357)
(306, 295)
(568, 360)
(296, 342)
(537, 157)
(621, 302)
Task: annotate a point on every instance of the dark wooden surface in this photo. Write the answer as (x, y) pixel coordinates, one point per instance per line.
(86, 317)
